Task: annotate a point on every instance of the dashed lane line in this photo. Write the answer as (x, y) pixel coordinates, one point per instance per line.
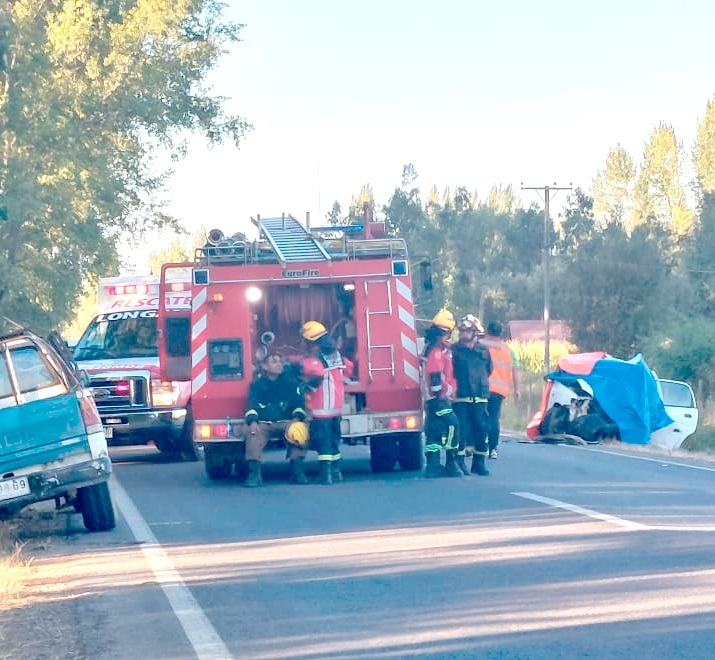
(605, 517)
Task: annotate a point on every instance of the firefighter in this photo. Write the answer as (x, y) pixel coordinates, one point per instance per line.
(275, 401)
(504, 380)
(441, 424)
(324, 372)
(472, 366)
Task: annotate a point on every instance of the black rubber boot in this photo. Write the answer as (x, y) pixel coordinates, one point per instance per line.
(326, 473)
(297, 475)
(459, 460)
(254, 478)
(478, 466)
(433, 468)
(336, 472)
(450, 468)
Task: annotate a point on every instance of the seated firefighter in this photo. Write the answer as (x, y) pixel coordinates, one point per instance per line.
(275, 410)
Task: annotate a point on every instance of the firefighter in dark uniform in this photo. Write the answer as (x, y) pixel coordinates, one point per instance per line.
(275, 401)
(472, 366)
(441, 424)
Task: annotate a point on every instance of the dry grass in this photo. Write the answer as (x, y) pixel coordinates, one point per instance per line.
(14, 568)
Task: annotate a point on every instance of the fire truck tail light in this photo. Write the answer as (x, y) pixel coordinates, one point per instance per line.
(410, 422)
(216, 297)
(208, 431)
(394, 423)
(123, 387)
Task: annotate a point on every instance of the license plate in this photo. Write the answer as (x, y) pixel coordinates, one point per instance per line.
(108, 432)
(10, 488)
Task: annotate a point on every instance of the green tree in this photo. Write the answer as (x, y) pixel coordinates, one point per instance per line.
(659, 190)
(176, 252)
(335, 215)
(615, 288)
(502, 199)
(701, 261)
(89, 90)
(365, 199)
(684, 349)
(613, 189)
(433, 201)
(704, 155)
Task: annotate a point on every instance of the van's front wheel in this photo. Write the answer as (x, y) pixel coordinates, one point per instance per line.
(95, 505)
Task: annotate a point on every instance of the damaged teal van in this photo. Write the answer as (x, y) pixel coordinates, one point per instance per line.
(52, 446)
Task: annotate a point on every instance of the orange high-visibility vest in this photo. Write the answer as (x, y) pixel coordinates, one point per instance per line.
(500, 380)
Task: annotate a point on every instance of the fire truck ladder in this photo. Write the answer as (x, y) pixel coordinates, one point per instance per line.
(373, 350)
(291, 241)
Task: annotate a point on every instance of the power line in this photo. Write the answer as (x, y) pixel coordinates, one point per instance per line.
(545, 252)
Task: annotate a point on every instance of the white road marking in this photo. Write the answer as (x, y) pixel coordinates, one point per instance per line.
(201, 634)
(663, 460)
(613, 520)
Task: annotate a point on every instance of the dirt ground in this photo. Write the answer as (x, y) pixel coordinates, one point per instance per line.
(33, 626)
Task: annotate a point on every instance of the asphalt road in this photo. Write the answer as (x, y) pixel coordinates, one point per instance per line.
(562, 552)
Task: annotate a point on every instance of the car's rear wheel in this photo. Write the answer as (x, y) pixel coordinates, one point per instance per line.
(95, 505)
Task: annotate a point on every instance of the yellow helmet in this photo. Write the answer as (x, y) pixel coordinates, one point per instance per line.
(313, 330)
(444, 319)
(297, 434)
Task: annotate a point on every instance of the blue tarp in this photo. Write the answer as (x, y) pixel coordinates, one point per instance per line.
(625, 389)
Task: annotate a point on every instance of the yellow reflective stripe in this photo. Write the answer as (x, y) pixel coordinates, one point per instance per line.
(330, 458)
(444, 411)
(432, 449)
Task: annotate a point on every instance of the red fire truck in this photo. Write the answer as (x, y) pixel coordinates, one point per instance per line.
(252, 296)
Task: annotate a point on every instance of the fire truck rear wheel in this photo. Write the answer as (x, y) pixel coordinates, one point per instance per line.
(218, 465)
(383, 453)
(410, 452)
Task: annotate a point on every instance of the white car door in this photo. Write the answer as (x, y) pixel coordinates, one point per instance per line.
(680, 405)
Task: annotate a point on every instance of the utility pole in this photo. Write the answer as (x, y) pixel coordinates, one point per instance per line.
(545, 253)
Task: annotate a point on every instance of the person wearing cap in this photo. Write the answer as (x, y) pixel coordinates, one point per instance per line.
(441, 424)
(274, 402)
(324, 373)
(504, 380)
(472, 366)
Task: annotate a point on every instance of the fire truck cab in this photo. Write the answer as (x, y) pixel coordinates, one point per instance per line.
(119, 351)
(250, 297)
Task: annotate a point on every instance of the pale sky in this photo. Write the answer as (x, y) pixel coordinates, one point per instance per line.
(470, 92)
